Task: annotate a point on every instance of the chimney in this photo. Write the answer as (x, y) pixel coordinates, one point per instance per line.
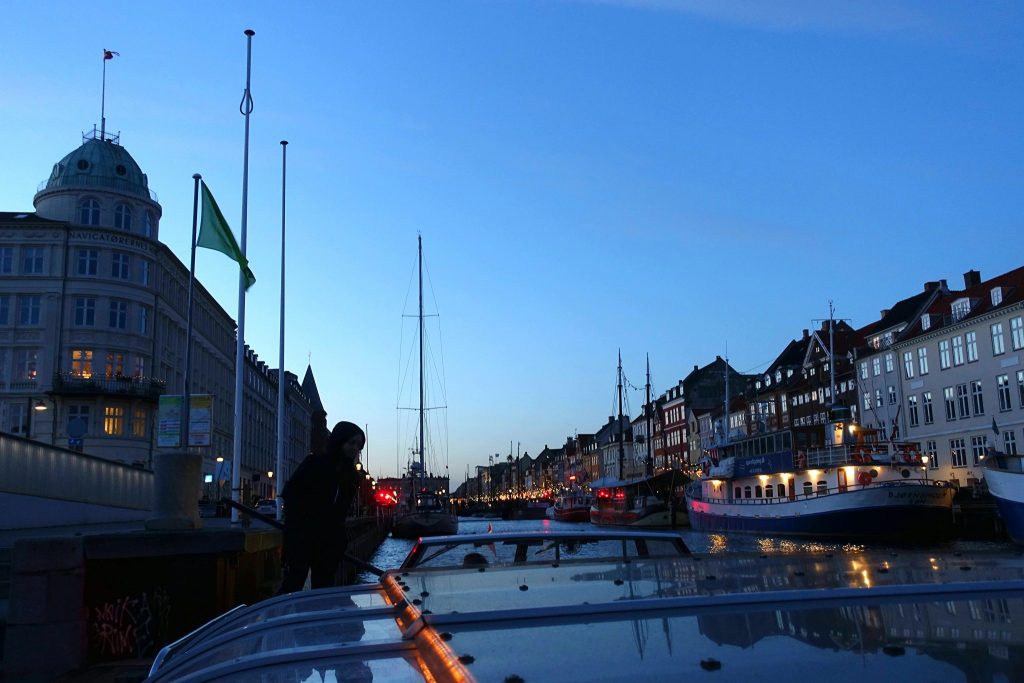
(807, 333)
(972, 278)
(695, 368)
(884, 312)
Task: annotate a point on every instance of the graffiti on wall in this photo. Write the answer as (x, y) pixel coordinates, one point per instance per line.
(130, 626)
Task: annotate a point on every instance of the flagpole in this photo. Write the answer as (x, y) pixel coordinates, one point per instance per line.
(103, 102)
(186, 398)
(279, 472)
(236, 458)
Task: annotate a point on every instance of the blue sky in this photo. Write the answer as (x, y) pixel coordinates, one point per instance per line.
(676, 178)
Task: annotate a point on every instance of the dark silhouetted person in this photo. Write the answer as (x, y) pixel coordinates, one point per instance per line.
(317, 499)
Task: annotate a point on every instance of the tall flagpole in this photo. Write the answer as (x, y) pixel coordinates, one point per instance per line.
(279, 472)
(186, 393)
(236, 458)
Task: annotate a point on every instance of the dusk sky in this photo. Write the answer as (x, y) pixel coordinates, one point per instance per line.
(678, 178)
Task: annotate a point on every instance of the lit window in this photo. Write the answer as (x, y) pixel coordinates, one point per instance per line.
(113, 420)
(139, 422)
(81, 363)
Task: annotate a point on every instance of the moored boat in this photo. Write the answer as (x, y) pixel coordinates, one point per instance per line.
(775, 484)
(648, 502)
(1004, 476)
(572, 507)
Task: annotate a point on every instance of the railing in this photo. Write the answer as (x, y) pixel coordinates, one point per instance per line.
(35, 469)
(98, 182)
(817, 493)
(145, 387)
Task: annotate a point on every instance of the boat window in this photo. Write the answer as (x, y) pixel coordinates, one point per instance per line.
(746, 492)
(768, 491)
(737, 492)
(758, 493)
(822, 487)
(786, 441)
(808, 489)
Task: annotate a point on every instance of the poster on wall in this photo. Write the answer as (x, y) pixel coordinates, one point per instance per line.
(200, 420)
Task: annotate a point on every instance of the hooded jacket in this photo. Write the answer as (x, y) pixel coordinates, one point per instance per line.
(320, 492)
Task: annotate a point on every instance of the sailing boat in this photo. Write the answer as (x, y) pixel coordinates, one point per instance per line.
(424, 512)
(648, 499)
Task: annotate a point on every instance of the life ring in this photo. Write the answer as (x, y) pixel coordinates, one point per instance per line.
(864, 478)
(911, 458)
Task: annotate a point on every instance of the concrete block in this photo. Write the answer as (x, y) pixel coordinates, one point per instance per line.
(28, 599)
(43, 651)
(65, 596)
(47, 554)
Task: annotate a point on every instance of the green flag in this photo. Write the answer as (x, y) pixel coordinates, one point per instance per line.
(214, 233)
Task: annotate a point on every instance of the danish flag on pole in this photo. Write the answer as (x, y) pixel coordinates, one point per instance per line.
(109, 54)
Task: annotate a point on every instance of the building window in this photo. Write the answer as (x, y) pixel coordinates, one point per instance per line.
(922, 360)
(139, 422)
(5, 309)
(944, 354)
(1009, 442)
(864, 370)
(926, 405)
(147, 224)
(998, 346)
(89, 212)
(979, 444)
(867, 400)
(140, 367)
(113, 420)
(957, 453)
(972, 346)
(85, 311)
(977, 399)
(119, 265)
(960, 309)
(81, 363)
(912, 415)
(26, 364)
(115, 364)
(888, 362)
(878, 398)
(876, 366)
(6, 260)
(1017, 333)
(892, 395)
(1003, 392)
(88, 261)
(908, 365)
(123, 217)
(1020, 387)
(144, 272)
(958, 350)
(143, 320)
(32, 260)
(931, 449)
(118, 314)
(950, 400)
(962, 401)
(30, 307)
(78, 419)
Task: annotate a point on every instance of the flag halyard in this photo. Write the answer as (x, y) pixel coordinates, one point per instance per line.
(214, 233)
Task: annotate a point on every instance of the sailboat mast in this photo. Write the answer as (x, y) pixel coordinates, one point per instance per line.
(622, 436)
(419, 246)
(832, 350)
(648, 408)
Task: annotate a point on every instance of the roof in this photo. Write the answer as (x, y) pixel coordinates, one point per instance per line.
(1011, 282)
(310, 390)
(26, 217)
(101, 165)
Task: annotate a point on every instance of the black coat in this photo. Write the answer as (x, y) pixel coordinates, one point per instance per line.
(319, 494)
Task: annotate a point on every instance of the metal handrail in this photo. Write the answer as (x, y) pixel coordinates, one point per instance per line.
(252, 512)
(830, 491)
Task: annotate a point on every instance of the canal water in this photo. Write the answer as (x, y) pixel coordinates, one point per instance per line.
(393, 550)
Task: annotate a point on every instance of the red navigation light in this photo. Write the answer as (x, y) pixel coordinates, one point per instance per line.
(572, 477)
(604, 493)
(386, 497)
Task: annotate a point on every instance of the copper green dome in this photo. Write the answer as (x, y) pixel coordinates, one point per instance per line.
(100, 165)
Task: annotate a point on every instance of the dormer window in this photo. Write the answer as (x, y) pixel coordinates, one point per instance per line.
(926, 322)
(997, 296)
(960, 309)
(123, 217)
(778, 375)
(89, 212)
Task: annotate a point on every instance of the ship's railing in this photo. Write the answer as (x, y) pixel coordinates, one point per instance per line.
(818, 493)
(858, 454)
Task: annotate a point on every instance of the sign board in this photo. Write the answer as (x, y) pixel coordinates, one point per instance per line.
(199, 423)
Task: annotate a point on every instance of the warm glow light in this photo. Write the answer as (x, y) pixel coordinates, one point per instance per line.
(763, 478)
(270, 475)
(924, 459)
(39, 407)
(220, 459)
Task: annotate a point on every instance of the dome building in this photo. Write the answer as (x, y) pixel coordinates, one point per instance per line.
(93, 327)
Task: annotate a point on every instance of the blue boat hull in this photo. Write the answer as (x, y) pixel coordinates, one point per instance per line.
(1006, 484)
